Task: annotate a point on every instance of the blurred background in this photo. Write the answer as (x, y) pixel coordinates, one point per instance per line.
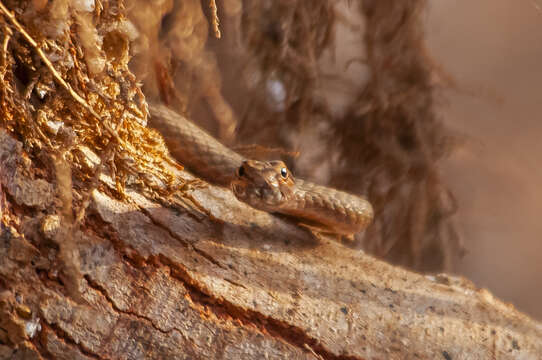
(493, 51)
(427, 108)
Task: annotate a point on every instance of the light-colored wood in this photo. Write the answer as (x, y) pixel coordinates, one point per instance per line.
(172, 283)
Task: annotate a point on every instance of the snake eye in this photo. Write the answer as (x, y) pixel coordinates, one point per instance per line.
(284, 173)
(241, 171)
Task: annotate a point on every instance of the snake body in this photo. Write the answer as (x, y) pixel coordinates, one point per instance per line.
(267, 186)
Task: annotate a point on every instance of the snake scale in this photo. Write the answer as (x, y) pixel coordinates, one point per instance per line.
(267, 186)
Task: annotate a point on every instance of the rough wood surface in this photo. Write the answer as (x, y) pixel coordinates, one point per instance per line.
(198, 275)
(237, 283)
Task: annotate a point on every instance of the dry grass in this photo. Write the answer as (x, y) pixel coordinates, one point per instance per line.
(60, 107)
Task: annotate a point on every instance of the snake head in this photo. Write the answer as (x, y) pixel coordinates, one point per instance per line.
(263, 185)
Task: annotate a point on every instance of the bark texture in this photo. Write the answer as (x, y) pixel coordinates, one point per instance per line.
(235, 283)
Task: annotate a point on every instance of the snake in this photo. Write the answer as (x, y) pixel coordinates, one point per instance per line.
(264, 185)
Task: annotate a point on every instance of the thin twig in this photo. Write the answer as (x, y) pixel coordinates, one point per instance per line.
(214, 18)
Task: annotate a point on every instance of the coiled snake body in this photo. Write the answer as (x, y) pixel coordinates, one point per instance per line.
(267, 186)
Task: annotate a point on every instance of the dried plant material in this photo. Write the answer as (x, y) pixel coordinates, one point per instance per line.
(214, 18)
(111, 111)
(233, 7)
(92, 43)
(39, 4)
(44, 58)
(177, 55)
(392, 142)
(59, 13)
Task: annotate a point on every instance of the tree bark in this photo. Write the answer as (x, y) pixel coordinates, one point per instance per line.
(236, 283)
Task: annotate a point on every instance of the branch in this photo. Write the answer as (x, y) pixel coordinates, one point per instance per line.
(173, 282)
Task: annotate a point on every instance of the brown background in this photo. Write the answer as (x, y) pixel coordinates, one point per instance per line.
(493, 50)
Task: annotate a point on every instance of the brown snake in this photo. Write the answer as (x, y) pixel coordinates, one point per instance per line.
(267, 186)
